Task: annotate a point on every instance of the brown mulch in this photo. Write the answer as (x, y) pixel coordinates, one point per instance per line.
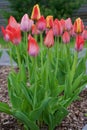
(74, 121)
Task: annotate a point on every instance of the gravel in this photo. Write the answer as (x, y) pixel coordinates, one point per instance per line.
(76, 119)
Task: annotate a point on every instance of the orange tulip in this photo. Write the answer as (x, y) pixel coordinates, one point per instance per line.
(78, 26)
(36, 12)
(49, 21)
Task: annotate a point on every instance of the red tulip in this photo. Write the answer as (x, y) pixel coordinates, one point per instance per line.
(72, 33)
(12, 32)
(79, 43)
(41, 24)
(57, 28)
(36, 12)
(35, 30)
(68, 24)
(26, 23)
(84, 34)
(49, 21)
(49, 39)
(62, 21)
(13, 23)
(33, 48)
(78, 26)
(66, 37)
(6, 34)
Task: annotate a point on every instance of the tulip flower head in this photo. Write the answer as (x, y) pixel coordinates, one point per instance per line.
(78, 26)
(35, 30)
(79, 43)
(33, 48)
(12, 32)
(6, 34)
(68, 24)
(49, 21)
(57, 28)
(26, 23)
(49, 39)
(41, 24)
(66, 37)
(36, 12)
(12, 22)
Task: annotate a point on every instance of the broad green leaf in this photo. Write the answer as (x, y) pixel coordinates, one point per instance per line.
(5, 108)
(25, 120)
(27, 93)
(77, 82)
(35, 114)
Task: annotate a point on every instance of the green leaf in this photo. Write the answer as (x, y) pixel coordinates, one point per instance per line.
(5, 108)
(77, 82)
(35, 114)
(27, 93)
(25, 120)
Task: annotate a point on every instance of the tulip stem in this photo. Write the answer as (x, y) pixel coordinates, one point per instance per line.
(35, 89)
(18, 57)
(57, 52)
(41, 42)
(11, 56)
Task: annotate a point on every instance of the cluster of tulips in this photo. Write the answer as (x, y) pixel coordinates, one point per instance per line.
(51, 74)
(52, 28)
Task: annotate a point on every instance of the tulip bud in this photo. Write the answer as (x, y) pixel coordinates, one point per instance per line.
(36, 12)
(78, 26)
(57, 28)
(79, 43)
(49, 21)
(66, 37)
(49, 39)
(33, 48)
(41, 24)
(68, 24)
(26, 23)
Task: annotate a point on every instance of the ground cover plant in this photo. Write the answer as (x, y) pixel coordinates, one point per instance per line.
(51, 74)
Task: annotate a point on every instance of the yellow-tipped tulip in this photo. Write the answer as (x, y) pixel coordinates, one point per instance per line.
(78, 26)
(49, 21)
(36, 12)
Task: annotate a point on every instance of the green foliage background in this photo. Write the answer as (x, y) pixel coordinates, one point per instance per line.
(57, 8)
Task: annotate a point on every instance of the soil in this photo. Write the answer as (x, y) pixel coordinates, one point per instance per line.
(76, 119)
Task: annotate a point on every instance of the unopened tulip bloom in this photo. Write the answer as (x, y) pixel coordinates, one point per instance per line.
(12, 32)
(36, 12)
(79, 43)
(63, 24)
(41, 23)
(72, 33)
(78, 26)
(68, 24)
(57, 28)
(33, 48)
(49, 21)
(6, 34)
(35, 30)
(49, 39)
(13, 23)
(84, 34)
(66, 37)
(26, 23)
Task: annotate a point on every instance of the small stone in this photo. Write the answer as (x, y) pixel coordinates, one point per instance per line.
(85, 127)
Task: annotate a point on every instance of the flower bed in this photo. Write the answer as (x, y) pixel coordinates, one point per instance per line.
(50, 76)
